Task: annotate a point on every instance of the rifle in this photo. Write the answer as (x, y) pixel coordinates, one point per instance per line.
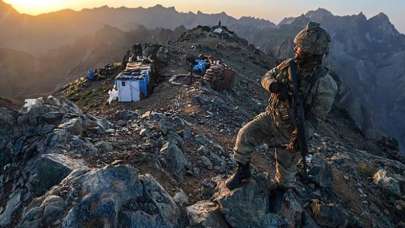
(297, 114)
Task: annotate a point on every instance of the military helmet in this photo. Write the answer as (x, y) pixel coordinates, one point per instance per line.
(313, 40)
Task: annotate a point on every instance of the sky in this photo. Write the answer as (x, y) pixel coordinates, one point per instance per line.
(274, 10)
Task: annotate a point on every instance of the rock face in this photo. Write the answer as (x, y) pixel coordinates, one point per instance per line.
(49, 170)
(206, 214)
(387, 183)
(319, 172)
(247, 206)
(174, 159)
(12, 205)
(115, 196)
(37, 147)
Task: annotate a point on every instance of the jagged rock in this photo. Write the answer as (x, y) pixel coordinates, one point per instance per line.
(187, 133)
(386, 182)
(121, 123)
(73, 126)
(202, 140)
(248, 206)
(53, 207)
(208, 188)
(180, 198)
(8, 117)
(49, 170)
(205, 214)
(292, 210)
(126, 115)
(32, 218)
(165, 126)
(328, 215)
(217, 160)
(97, 125)
(31, 146)
(320, 172)
(104, 147)
(53, 117)
(115, 196)
(207, 162)
(162, 55)
(58, 137)
(82, 146)
(174, 159)
(12, 205)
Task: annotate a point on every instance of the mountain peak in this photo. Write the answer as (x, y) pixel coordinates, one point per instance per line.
(319, 13)
(159, 7)
(382, 17)
(383, 22)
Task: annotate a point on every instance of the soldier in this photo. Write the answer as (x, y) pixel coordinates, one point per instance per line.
(317, 90)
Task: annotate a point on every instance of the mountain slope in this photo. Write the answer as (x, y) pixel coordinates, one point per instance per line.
(18, 71)
(161, 162)
(26, 75)
(367, 54)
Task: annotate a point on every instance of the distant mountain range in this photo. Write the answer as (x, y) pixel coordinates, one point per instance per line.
(36, 34)
(368, 55)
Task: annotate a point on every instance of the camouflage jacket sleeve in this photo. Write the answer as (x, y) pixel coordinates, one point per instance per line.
(279, 74)
(269, 78)
(324, 94)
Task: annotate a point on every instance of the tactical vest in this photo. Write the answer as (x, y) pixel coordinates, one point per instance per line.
(279, 109)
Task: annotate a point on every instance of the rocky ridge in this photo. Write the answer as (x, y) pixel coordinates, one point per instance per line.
(162, 162)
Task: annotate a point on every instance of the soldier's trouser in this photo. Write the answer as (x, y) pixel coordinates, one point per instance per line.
(262, 130)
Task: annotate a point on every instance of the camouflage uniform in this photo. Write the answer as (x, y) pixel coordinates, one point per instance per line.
(317, 89)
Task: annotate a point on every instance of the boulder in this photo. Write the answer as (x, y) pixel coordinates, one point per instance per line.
(115, 196)
(173, 159)
(205, 214)
(13, 204)
(104, 147)
(387, 183)
(328, 215)
(165, 126)
(247, 206)
(319, 171)
(53, 206)
(126, 115)
(82, 146)
(96, 125)
(8, 118)
(49, 170)
(53, 117)
(162, 55)
(180, 198)
(207, 162)
(291, 209)
(73, 126)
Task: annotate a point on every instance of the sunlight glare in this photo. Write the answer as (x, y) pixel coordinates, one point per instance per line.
(37, 6)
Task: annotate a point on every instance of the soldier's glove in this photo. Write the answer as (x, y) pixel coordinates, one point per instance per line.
(280, 89)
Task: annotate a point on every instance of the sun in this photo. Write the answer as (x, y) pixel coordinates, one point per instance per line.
(37, 6)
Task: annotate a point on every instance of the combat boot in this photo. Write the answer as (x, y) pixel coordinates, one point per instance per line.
(242, 175)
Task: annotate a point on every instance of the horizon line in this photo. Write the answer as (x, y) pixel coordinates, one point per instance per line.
(78, 10)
